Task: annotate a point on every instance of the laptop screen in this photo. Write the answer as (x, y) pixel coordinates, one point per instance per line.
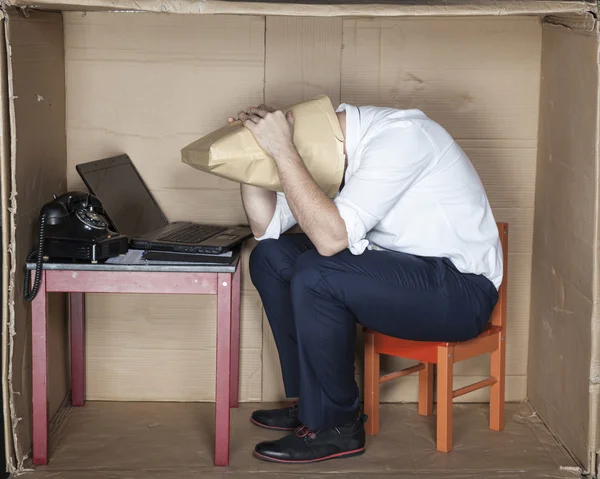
(126, 200)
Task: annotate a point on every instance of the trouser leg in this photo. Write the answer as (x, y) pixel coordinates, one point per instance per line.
(271, 265)
(396, 294)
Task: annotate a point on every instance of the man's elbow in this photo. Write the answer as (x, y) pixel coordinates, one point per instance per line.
(332, 247)
(259, 229)
(258, 232)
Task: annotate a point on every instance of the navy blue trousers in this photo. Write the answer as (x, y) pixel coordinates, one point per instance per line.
(313, 304)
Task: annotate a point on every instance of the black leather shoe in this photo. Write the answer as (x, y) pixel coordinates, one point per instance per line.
(304, 445)
(284, 419)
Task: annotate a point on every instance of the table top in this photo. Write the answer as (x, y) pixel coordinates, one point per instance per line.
(145, 266)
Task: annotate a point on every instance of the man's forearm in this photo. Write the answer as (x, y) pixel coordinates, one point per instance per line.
(259, 205)
(314, 211)
(316, 214)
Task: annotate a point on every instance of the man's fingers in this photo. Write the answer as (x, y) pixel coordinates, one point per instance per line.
(244, 115)
(258, 111)
(267, 108)
(250, 116)
(251, 121)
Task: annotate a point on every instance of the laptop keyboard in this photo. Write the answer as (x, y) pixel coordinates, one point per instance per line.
(191, 234)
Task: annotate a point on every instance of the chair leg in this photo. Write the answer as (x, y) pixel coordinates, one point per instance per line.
(497, 362)
(371, 385)
(426, 390)
(444, 398)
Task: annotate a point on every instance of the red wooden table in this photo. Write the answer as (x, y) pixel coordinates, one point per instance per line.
(76, 280)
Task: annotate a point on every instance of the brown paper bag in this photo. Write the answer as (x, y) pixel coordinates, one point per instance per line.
(232, 152)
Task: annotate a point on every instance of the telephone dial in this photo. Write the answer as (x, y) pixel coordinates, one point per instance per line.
(73, 227)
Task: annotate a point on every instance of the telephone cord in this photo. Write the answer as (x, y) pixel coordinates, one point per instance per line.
(30, 295)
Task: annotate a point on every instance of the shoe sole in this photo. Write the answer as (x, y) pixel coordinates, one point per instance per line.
(339, 455)
(273, 428)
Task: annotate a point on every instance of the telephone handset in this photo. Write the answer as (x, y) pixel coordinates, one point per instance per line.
(73, 227)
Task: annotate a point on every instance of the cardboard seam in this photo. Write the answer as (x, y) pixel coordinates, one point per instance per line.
(12, 248)
(558, 439)
(264, 92)
(574, 469)
(61, 418)
(594, 387)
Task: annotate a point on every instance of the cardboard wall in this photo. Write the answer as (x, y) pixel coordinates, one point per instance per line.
(565, 265)
(38, 163)
(148, 84)
(480, 79)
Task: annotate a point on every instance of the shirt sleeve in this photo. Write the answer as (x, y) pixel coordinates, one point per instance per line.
(282, 220)
(390, 163)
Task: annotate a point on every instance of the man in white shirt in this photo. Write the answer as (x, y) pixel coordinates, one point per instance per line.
(409, 248)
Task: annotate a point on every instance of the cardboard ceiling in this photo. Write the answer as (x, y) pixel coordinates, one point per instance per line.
(385, 8)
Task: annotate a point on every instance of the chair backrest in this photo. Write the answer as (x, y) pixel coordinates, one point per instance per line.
(499, 313)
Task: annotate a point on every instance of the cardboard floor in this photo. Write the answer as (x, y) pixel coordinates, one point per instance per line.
(175, 441)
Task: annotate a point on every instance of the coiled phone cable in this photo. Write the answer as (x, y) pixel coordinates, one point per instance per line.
(27, 294)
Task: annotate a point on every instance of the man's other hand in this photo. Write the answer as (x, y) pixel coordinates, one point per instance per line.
(272, 130)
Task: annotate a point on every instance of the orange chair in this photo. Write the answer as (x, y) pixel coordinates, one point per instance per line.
(491, 340)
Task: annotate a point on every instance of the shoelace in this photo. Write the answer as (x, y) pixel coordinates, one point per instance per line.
(303, 431)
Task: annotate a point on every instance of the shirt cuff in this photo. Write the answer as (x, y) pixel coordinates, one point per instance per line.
(357, 242)
(282, 220)
(273, 231)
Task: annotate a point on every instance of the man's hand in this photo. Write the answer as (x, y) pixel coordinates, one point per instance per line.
(272, 130)
(316, 214)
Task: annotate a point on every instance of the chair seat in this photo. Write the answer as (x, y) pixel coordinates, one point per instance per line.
(438, 358)
(423, 351)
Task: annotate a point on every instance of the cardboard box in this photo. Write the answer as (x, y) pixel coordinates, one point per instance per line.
(516, 83)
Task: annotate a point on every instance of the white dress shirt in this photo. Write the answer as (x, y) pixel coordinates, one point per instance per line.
(410, 188)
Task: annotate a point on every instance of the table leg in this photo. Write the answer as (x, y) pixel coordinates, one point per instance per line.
(222, 393)
(39, 348)
(235, 339)
(77, 317)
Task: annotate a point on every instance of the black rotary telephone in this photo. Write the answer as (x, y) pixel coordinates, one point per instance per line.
(73, 227)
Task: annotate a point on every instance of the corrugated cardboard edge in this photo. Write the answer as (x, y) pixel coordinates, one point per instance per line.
(594, 414)
(16, 453)
(5, 182)
(423, 8)
(585, 22)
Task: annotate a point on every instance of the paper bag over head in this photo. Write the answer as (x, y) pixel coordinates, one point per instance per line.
(232, 152)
